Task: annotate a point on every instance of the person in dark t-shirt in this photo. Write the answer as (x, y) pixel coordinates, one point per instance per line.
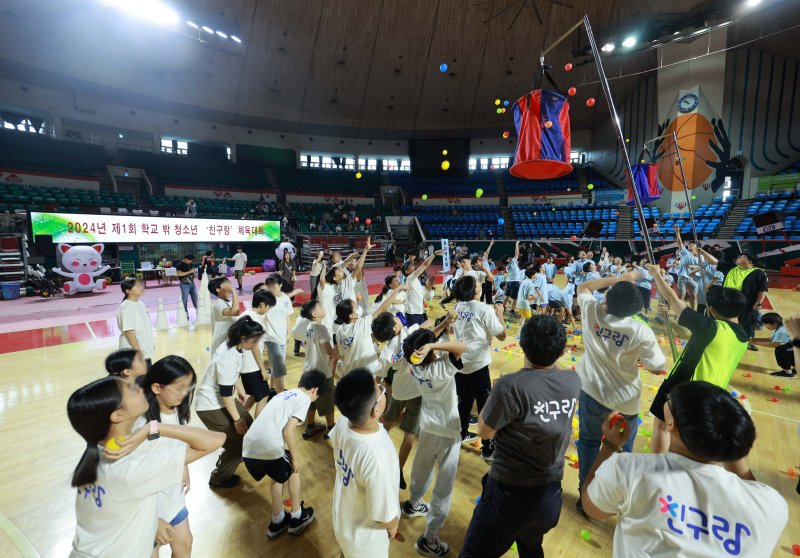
(713, 352)
(530, 415)
(753, 284)
(185, 272)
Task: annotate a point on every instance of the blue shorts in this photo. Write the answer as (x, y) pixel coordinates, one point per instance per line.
(512, 289)
(412, 319)
(182, 515)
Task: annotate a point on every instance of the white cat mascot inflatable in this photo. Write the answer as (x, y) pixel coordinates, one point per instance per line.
(84, 266)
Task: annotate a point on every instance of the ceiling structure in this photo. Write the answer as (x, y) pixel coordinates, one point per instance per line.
(350, 68)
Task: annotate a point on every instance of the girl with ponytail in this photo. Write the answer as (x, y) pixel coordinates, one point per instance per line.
(123, 469)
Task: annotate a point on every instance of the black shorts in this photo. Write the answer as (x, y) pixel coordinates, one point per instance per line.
(512, 289)
(278, 470)
(255, 385)
(555, 303)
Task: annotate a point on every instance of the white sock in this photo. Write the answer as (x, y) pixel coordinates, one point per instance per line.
(279, 518)
(296, 515)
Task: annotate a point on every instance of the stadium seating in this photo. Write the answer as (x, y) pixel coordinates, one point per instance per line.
(543, 220)
(448, 185)
(787, 203)
(24, 151)
(194, 171)
(308, 213)
(708, 220)
(517, 186)
(68, 200)
(219, 208)
(330, 182)
(469, 221)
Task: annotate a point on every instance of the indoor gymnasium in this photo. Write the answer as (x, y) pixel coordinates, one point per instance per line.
(374, 278)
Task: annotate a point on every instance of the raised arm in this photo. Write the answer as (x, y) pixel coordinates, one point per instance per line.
(678, 237)
(488, 249)
(516, 251)
(358, 272)
(597, 284)
(389, 300)
(676, 305)
(709, 258)
(425, 264)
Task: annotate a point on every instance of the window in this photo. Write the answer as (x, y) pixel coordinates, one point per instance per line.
(405, 165)
(334, 161)
(726, 189)
(182, 147)
(575, 157)
(396, 164)
(228, 152)
(473, 163)
(490, 162)
(313, 161)
(350, 163)
(166, 145)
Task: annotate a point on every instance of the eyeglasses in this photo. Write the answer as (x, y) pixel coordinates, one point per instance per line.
(378, 400)
(183, 393)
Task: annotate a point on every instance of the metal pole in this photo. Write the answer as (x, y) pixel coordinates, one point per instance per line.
(691, 210)
(562, 37)
(625, 157)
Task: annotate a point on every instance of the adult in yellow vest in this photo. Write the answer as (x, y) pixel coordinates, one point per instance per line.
(753, 284)
(712, 353)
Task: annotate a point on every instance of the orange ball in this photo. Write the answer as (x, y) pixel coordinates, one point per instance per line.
(590, 102)
(368, 221)
(568, 67)
(548, 124)
(574, 237)
(571, 91)
(506, 134)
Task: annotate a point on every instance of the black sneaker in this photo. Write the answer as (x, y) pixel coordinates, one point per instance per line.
(402, 481)
(473, 419)
(327, 435)
(752, 347)
(275, 530)
(409, 510)
(468, 438)
(296, 526)
(784, 374)
(487, 451)
(431, 548)
(312, 430)
(230, 482)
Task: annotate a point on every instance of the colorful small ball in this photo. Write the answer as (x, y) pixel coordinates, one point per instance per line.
(424, 196)
(590, 102)
(548, 124)
(368, 221)
(499, 110)
(442, 67)
(571, 91)
(585, 535)
(501, 221)
(506, 134)
(357, 219)
(694, 197)
(445, 165)
(497, 101)
(590, 186)
(505, 102)
(444, 152)
(358, 176)
(796, 549)
(478, 192)
(568, 67)
(574, 237)
(503, 110)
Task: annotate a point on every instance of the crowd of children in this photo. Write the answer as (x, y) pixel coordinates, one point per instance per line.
(388, 364)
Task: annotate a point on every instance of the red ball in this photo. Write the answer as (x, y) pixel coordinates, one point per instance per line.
(590, 102)
(571, 91)
(574, 237)
(774, 399)
(368, 221)
(568, 67)
(796, 549)
(357, 219)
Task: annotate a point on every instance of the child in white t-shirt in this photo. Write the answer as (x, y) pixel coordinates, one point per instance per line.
(136, 331)
(615, 342)
(129, 364)
(476, 324)
(685, 500)
(223, 311)
(216, 403)
(439, 433)
(277, 329)
(415, 297)
(264, 453)
(168, 387)
(344, 282)
(122, 472)
(398, 306)
(321, 354)
(254, 374)
(526, 296)
(365, 495)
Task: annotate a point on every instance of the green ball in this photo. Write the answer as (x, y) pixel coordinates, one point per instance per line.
(499, 111)
(424, 196)
(694, 197)
(590, 187)
(585, 535)
(478, 192)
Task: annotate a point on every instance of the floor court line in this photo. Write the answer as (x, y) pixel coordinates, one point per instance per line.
(20, 541)
(89, 327)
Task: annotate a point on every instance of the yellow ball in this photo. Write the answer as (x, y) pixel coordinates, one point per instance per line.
(113, 445)
(444, 151)
(424, 196)
(358, 175)
(415, 359)
(445, 165)
(497, 101)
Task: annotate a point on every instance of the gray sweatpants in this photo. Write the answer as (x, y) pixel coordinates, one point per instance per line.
(433, 450)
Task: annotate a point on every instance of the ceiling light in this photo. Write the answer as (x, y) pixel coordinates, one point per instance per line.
(753, 3)
(608, 47)
(677, 33)
(221, 34)
(154, 11)
(629, 42)
(207, 29)
(192, 24)
(236, 39)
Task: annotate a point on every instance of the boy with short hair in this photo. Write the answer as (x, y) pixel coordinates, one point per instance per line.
(277, 329)
(439, 433)
(365, 495)
(529, 414)
(254, 375)
(224, 310)
(683, 500)
(239, 260)
(614, 344)
(264, 452)
(321, 354)
(526, 296)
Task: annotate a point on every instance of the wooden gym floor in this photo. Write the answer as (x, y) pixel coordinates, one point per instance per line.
(39, 451)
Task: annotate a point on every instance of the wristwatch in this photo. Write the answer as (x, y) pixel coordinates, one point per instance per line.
(154, 433)
(796, 342)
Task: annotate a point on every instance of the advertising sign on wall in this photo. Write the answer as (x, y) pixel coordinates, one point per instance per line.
(74, 227)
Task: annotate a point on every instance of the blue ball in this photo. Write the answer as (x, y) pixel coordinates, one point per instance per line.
(505, 103)
(442, 67)
(733, 393)
(501, 221)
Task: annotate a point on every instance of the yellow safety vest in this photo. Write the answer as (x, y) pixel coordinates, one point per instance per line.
(736, 276)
